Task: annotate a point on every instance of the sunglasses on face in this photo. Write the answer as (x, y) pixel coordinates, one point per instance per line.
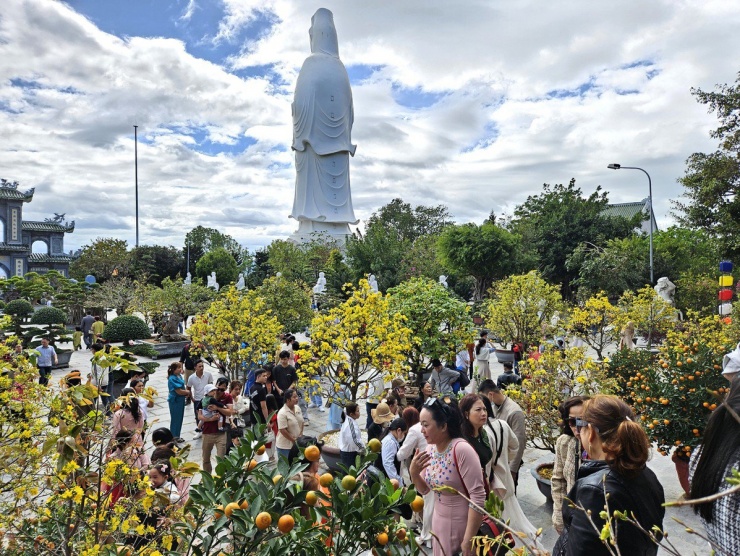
(581, 424)
(572, 421)
(221, 389)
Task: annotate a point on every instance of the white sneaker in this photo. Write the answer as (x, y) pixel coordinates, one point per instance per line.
(197, 435)
(312, 405)
(322, 410)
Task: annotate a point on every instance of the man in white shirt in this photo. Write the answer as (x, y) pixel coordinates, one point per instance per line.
(196, 385)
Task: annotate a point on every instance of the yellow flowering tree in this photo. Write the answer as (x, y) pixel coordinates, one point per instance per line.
(440, 323)
(550, 380)
(520, 306)
(650, 313)
(358, 341)
(237, 331)
(65, 478)
(595, 322)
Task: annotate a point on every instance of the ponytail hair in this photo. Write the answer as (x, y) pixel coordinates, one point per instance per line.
(173, 367)
(351, 407)
(481, 343)
(623, 441)
(132, 403)
(397, 423)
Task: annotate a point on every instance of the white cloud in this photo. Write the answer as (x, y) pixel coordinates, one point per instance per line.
(528, 93)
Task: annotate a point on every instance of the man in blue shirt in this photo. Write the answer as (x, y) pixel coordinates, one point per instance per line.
(47, 358)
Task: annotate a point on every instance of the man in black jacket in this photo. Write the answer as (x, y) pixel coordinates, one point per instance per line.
(508, 377)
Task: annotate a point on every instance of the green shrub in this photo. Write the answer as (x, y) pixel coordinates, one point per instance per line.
(141, 350)
(49, 315)
(19, 308)
(126, 327)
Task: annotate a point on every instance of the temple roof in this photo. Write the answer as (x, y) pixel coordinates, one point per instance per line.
(44, 258)
(628, 210)
(14, 247)
(33, 226)
(12, 194)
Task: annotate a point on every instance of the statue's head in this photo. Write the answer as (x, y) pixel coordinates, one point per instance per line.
(323, 34)
(321, 274)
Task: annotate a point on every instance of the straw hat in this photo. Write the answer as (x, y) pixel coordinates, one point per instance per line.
(382, 414)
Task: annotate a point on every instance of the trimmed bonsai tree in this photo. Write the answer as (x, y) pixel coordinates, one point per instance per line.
(50, 323)
(126, 327)
(18, 310)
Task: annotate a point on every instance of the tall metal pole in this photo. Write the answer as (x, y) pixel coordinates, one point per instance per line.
(136, 179)
(188, 269)
(650, 205)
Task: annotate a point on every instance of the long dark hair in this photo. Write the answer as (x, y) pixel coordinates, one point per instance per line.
(132, 404)
(481, 343)
(719, 447)
(351, 407)
(564, 409)
(446, 414)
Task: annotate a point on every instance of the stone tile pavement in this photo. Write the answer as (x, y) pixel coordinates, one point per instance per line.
(532, 501)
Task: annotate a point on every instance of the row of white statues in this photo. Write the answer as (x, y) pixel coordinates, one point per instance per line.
(213, 283)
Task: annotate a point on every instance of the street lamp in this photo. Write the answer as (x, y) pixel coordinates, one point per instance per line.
(650, 204)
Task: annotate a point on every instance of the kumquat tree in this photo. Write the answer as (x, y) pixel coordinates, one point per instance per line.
(237, 330)
(357, 341)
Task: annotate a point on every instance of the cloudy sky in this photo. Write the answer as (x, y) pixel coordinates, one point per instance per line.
(471, 104)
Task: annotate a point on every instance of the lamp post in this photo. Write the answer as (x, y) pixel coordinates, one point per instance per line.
(650, 204)
(136, 179)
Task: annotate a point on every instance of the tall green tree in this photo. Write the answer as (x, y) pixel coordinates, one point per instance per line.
(156, 262)
(711, 180)
(389, 249)
(485, 252)
(623, 264)
(290, 260)
(222, 263)
(101, 258)
(200, 240)
(558, 220)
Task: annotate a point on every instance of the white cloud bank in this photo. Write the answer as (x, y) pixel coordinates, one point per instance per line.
(473, 105)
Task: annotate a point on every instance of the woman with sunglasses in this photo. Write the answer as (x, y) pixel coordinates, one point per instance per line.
(568, 457)
(619, 450)
(448, 461)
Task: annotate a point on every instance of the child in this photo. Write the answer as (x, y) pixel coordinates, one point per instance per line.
(207, 413)
(160, 475)
(77, 338)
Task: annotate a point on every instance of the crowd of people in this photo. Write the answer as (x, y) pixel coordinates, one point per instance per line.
(468, 436)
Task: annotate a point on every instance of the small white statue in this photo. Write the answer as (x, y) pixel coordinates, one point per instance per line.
(188, 280)
(666, 289)
(320, 286)
(240, 285)
(555, 319)
(443, 280)
(373, 282)
(212, 281)
(627, 337)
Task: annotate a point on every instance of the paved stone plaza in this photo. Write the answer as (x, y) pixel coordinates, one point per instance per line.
(533, 503)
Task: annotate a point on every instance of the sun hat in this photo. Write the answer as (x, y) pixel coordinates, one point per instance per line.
(382, 414)
(209, 388)
(398, 383)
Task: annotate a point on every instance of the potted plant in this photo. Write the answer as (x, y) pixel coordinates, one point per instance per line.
(50, 323)
(18, 310)
(676, 394)
(551, 379)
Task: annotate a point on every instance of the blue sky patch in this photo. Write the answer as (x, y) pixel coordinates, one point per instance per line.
(415, 98)
(360, 72)
(578, 91)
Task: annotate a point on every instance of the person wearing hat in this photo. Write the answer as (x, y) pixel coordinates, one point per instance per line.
(382, 416)
(443, 379)
(258, 397)
(399, 389)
